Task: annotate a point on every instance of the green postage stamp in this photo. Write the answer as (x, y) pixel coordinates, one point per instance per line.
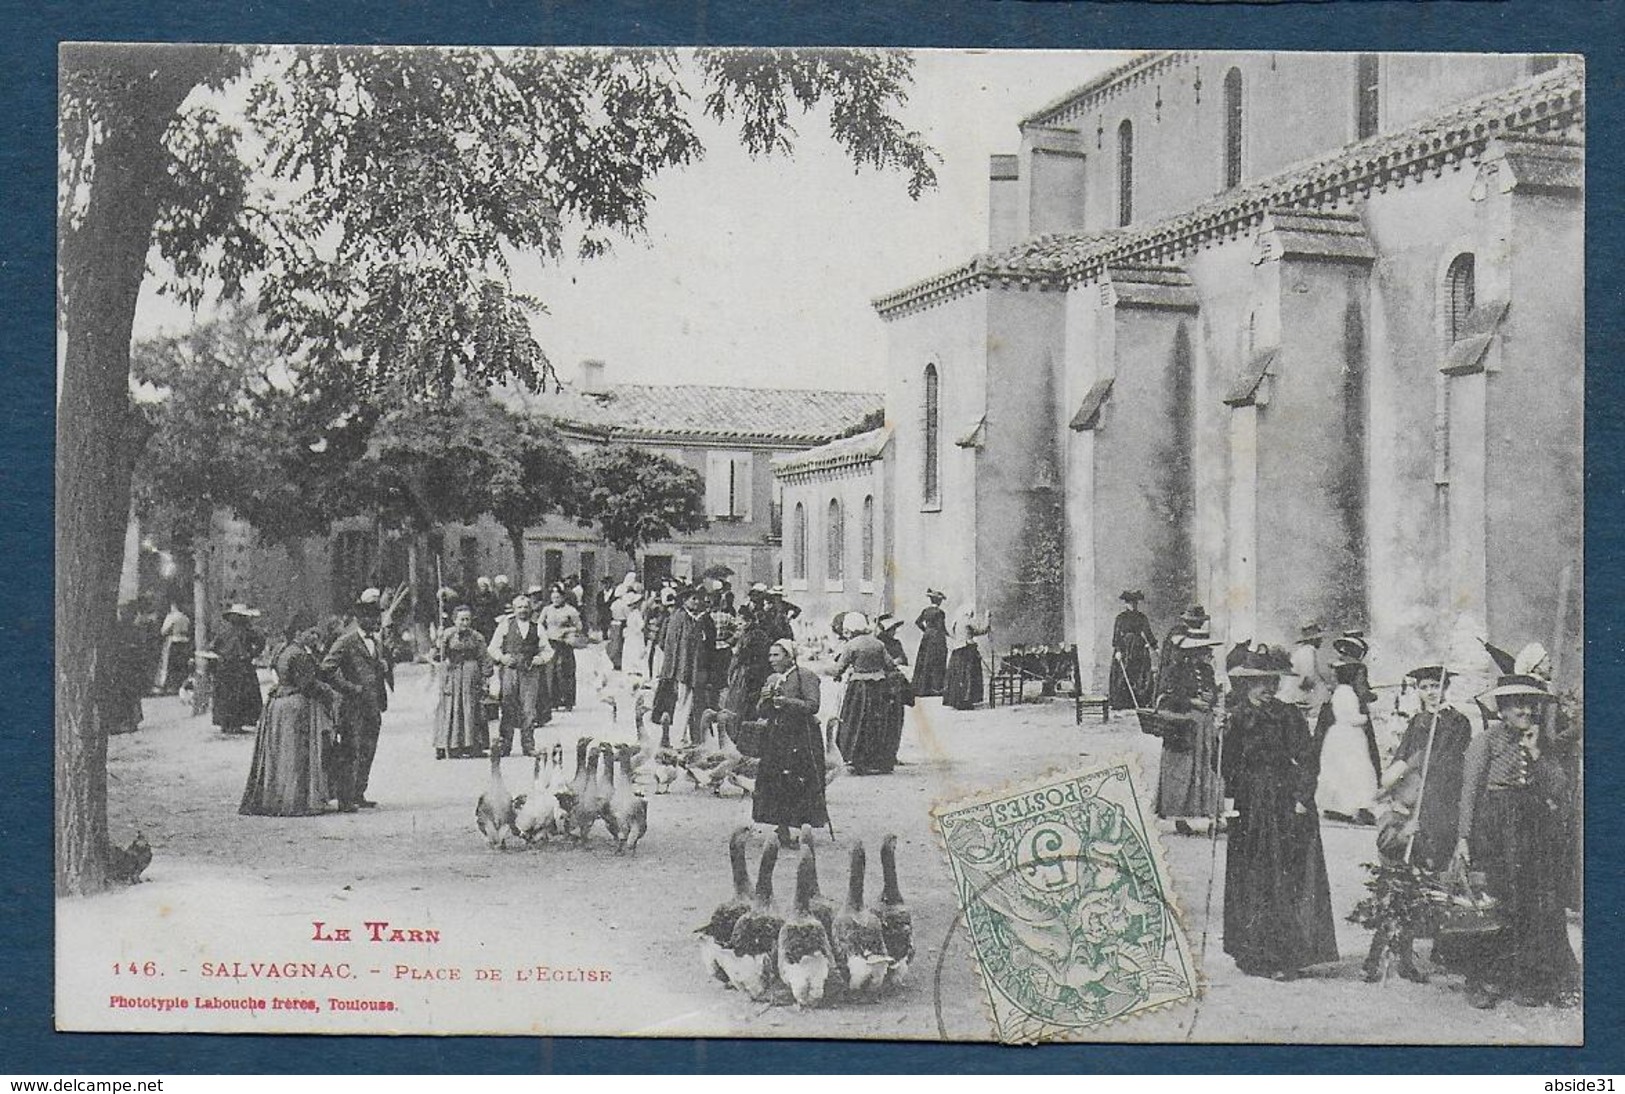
(1066, 900)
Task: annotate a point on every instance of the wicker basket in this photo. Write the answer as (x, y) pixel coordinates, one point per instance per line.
(748, 737)
(1177, 732)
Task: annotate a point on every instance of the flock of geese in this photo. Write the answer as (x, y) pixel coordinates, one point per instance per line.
(604, 784)
(821, 950)
(564, 806)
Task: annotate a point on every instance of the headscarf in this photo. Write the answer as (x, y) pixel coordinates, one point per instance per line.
(787, 646)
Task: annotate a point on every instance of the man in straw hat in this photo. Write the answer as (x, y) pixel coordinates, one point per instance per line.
(1277, 901)
(1133, 643)
(359, 666)
(1510, 828)
(237, 699)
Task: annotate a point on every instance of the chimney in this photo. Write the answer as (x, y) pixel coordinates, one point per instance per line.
(592, 377)
(1056, 162)
(1003, 202)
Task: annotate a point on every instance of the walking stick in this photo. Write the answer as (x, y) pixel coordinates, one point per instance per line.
(1127, 682)
(1219, 719)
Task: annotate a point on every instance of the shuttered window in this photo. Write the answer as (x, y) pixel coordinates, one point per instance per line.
(727, 485)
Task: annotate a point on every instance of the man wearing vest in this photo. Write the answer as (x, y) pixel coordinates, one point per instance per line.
(521, 653)
(359, 666)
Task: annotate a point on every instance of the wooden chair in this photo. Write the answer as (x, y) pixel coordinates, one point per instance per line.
(1082, 701)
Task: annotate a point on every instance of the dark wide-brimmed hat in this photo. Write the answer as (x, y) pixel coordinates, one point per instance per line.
(1131, 596)
(1263, 663)
(1195, 616)
(932, 594)
(886, 623)
(1311, 632)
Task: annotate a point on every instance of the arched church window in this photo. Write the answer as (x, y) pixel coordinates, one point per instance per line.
(798, 544)
(1125, 172)
(867, 562)
(1233, 134)
(933, 438)
(1459, 292)
(1367, 101)
(835, 556)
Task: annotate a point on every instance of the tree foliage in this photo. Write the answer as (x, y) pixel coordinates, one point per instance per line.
(637, 497)
(372, 200)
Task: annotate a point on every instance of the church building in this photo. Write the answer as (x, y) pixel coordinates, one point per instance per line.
(1297, 337)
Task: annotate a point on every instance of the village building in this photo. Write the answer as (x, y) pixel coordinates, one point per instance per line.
(835, 555)
(729, 435)
(1296, 337)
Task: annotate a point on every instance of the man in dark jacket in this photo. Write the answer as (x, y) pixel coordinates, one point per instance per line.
(689, 645)
(360, 667)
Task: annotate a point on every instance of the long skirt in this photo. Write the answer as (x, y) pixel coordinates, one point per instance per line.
(1188, 783)
(870, 726)
(962, 687)
(174, 664)
(237, 701)
(1277, 901)
(287, 777)
(1131, 681)
(634, 650)
(1347, 783)
(930, 663)
(562, 676)
(615, 643)
(790, 779)
(1517, 843)
(459, 716)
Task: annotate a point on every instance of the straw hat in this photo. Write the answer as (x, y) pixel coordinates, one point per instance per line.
(1519, 686)
(242, 611)
(1263, 663)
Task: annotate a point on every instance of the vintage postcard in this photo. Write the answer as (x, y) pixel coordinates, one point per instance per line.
(541, 531)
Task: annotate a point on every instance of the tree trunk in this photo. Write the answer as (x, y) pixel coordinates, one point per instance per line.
(420, 625)
(202, 678)
(516, 540)
(103, 260)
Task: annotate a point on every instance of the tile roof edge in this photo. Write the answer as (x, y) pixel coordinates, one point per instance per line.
(1360, 161)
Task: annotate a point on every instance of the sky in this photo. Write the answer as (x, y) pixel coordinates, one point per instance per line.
(760, 273)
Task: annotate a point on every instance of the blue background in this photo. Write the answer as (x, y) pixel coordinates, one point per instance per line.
(27, 169)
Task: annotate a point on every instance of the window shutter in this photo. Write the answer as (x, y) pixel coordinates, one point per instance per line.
(717, 466)
(742, 468)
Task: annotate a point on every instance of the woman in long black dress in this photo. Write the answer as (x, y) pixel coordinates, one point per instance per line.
(288, 775)
(1510, 827)
(1133, 644)
(1277, 901)
(237, 700)
(790, 779)
(931, 658)
(962, 687)
(870, 728)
